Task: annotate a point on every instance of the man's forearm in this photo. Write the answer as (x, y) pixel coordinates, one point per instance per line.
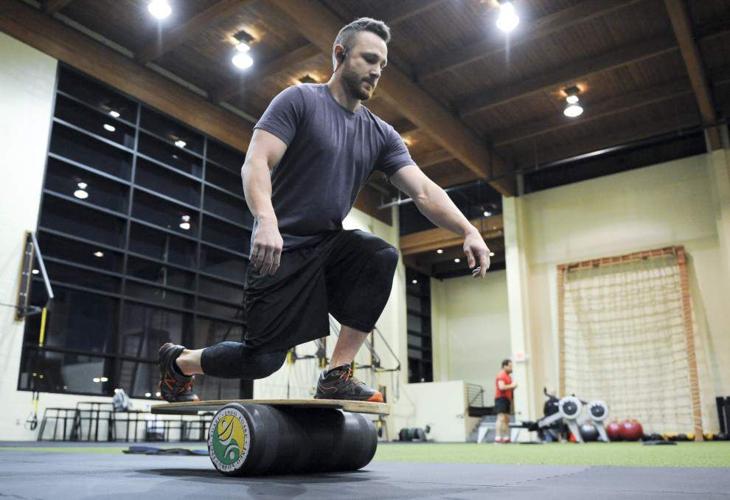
(257, 189)
(436, 205)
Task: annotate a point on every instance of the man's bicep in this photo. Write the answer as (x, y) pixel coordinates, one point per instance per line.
(267, 147)
(500, 384)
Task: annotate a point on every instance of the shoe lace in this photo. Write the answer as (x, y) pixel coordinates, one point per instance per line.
(347, 375)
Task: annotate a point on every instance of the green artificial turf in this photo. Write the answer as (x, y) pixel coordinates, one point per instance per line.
(711, 454)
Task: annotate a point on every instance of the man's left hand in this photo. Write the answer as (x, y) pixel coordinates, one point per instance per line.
(477, 251)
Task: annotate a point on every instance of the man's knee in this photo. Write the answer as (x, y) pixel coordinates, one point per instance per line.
(261, 365)
(385, 260)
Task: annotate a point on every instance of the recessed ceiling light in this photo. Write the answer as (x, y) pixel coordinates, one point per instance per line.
(439, 251)
(96, 380)
(35, 271)
(491, 254)
(109, 128)
(159, 8)
(99, 254)
(81, 192)
(148, 394)
(114, 114)
(185, 224)
(415, 282)
(180, 143)
(457, 260)
(508, 18)
(487, 213)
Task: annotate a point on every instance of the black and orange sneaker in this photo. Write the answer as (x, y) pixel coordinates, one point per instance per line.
(174, 386)
(339, 383)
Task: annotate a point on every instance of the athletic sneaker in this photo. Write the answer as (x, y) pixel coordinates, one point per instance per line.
(339, 383)
(174, 386)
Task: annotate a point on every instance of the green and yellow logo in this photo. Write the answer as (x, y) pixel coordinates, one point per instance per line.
(228, 440)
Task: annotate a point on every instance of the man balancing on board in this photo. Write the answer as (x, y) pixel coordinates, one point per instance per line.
(311, 153)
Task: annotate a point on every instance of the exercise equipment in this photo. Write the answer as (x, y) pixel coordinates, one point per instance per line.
(613, 430)
(588, 432)
(568, 412)
(258, 437)
(631, 430)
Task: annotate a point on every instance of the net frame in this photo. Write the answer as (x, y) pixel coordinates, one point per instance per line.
(680, 255)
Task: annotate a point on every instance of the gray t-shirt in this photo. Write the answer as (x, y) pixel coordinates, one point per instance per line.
(330, 155)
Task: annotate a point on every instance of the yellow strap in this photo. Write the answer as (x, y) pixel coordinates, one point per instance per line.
(42, 337)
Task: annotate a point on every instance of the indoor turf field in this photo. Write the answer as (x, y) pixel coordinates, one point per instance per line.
(632, 470)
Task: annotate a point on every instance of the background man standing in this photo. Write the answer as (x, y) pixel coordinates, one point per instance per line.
(503, 401)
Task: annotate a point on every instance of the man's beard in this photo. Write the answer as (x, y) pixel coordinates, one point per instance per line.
(353, 85)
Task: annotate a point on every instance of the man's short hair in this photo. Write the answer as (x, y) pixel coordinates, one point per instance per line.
(348, 32)
(506, 362)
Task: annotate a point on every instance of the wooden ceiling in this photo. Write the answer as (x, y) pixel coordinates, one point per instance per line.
(473, 103)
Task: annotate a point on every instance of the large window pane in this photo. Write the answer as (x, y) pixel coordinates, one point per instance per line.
(64, 372)
(224, 178)
(160, 273)
(139, 379)
(58, 272)
(66, 179)
(162, 246)
(157, 178)
(227, 206)
(226, 235)
(225, 156)
(96, 95)
(74, 219)
(159, 296)
(220, 263)
(90, 152)
(220, 290)
(171, 130)
(79, 320)
(89, 255)
(169, 155)
(145, 329)
(164, 214)
(96, 123)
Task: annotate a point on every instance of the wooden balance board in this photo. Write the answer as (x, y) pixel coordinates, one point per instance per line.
(194, 407)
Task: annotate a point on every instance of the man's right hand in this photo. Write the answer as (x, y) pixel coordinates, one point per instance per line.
(267, 247)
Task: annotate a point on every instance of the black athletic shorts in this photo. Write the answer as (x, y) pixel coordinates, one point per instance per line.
(348, 274)
(502, 405)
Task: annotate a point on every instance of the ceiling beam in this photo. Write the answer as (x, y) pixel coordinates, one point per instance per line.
(236, 86)
(50, 7)
(320, 26)
(682, 26)
(598, 142)
(433, 239)
(85, 54)
(157, 46)
(616, 105)
(437, 64)
(433, 158)
(567, 74)
(397, 12)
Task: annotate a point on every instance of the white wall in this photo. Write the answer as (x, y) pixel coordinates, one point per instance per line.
(662, 205)
(470, 329)
(27, 83)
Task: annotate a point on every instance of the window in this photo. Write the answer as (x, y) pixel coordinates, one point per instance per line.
(145, 232)
(418, 305)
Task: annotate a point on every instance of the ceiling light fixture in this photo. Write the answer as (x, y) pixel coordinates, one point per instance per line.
(35, 271)
(573, 109)
(110, 128)
(160, 9)
(185, 224)
(99, 254)
(491, 254)
(308, 79)
(415, 282)
(180, 143)
(439, 251)
(114, 114)
(457, 260)
(487, 213)
(242, 59)
(81, 192)
(508, 18)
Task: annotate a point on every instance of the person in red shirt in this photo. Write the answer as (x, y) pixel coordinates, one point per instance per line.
(503, 401)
